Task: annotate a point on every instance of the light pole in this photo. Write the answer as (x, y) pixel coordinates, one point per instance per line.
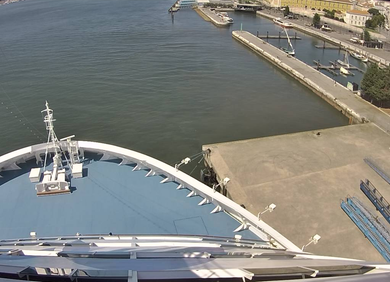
(224, 183)
(313, 239)
(269, 208)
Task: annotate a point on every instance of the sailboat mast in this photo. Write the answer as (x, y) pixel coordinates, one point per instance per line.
(288, 39)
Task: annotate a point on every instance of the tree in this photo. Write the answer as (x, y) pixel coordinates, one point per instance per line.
(376, 84)
(368, 23)
(316, 20)
(373, 11)
(366, 35)
(286, 11)
(377, 20)
(329, 14)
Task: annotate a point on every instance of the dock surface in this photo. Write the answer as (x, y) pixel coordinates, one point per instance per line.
(306, 175)
(211, 16)
(337, 95)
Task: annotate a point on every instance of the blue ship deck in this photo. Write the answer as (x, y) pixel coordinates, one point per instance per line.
(109, 199)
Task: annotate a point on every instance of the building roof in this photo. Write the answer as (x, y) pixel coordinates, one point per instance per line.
(343, 1)
(357, 12)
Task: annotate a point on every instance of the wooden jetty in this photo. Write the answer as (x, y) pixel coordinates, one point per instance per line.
(330, 68)
(350, 67)
(327, 46)
(334, 66)
(279, 36)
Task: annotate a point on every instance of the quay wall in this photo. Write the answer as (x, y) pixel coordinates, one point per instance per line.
(334, 41)
(208, 15)
(326, 95)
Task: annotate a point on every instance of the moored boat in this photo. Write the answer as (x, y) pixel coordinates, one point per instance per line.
(359, 57)
(290, 51)
(344, 62)
(344, 71)
(225, 17)
(283, 24)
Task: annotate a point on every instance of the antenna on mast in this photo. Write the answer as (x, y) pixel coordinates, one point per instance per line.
(52, 137)
(53, 181)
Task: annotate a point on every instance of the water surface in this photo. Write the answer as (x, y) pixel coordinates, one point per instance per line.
(121, 72)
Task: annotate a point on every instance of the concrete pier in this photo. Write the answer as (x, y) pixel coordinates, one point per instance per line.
(351, 105)
(211, 16)
(306, 175)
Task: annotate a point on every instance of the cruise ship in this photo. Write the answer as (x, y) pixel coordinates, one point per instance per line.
(87, 211)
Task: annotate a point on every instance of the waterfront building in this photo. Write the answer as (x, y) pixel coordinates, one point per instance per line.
(223, 2)
(186, 3)
(338, 5)
(357, 17)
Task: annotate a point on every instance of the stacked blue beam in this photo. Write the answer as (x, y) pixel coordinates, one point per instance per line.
(376, 198)
(379, 171)
(366, 228)
(379, 225)
(379, 233)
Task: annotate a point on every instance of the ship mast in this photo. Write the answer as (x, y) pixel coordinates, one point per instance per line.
(53, 182)
(289, 42)
(51, 138)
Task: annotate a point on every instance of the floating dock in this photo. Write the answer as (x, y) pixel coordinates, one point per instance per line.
(211, 16)
(352, 106)
(306, 175)
(328, 46)
(279, 36)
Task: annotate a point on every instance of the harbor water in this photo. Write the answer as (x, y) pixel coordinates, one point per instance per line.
(123, 72)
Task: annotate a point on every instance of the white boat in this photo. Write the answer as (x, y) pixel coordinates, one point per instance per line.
(290, 50)
(345, 62)
(359, 57)
(283, 24)
(225, 17)
(344, 71)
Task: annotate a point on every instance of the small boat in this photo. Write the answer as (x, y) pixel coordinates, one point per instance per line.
(225, 17)
(344, 71)
(360, 57)
(344, 63)
(287, 50)
(325, 27)
(283, 24)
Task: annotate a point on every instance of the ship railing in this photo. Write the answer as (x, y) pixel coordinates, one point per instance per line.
(155, 167)
(197, 188)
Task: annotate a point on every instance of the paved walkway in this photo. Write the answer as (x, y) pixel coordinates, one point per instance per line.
(306, 175)
(324, 85)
